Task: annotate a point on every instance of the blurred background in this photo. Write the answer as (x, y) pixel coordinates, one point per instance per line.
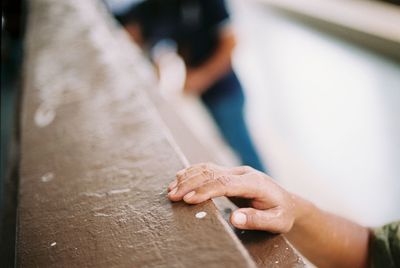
(322, 93)
(12, 31)
(322, 86)
(323, 110)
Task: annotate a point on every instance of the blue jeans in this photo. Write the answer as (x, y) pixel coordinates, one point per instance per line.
(225, 102)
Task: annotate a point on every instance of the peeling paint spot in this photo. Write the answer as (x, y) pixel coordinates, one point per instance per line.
(119, 191)
(98, 214)
(53, 244)
(103, 194)
(276, 261)
(93, 194)
(47, 177)
(44, 116)
(201, 214)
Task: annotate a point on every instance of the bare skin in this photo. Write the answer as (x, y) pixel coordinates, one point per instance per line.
(135, 32)
(199, 79)
(325, 239)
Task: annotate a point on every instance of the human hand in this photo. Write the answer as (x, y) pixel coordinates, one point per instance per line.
(272, 208)
(197, 81)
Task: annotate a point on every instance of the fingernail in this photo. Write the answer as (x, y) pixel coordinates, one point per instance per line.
(189, 195)
(239, 218)
(173, 191)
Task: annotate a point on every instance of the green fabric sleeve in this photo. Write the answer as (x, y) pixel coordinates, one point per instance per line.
(385, 246)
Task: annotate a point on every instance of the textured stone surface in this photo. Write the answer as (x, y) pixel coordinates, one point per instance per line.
(96, 158)
(267, 250)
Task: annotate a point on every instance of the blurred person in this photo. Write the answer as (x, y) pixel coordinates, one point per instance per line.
(396, 2)
(205, 41)
(327, 240)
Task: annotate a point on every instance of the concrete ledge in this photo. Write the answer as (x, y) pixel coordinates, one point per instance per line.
(96, 158)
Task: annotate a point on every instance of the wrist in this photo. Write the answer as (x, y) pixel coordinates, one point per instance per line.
(303, 210)
(198, 80)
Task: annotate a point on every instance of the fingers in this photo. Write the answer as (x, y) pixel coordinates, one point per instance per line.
(220, 186)
(240, 170)
(199, 184)
(205, 181)
(205, 168)
(201, 187)
(270, 211)
(272, 220)
(206, 171)
(186, 173)
(188, 185)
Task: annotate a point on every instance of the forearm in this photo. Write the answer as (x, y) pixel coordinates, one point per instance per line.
(219, 63)
(135, 32)
(328, 240)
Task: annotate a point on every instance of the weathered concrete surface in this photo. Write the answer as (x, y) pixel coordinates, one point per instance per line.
(96, 159)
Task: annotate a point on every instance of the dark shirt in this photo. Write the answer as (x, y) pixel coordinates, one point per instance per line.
(193, 24)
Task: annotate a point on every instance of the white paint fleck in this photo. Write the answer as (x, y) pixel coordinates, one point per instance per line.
(104, 193)
(93, 194)
(276, 261)
(53, 244)
(119, 191)
(275, 246)
(201, 214)
(98, 214)
(44, 116)
(47, 177)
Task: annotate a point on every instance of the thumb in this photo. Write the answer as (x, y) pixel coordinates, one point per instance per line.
(271, 220)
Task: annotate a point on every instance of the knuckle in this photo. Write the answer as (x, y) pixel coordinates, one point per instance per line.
(224, 180)
(258, 176)
(247, 169)
(203, 165)
(205, 168)
(206, 173)
(251, 219)
(180, 176)
(208, 166)
(180, 172)
(191, 169)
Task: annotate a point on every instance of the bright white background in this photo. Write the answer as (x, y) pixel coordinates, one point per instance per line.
(324, 113)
